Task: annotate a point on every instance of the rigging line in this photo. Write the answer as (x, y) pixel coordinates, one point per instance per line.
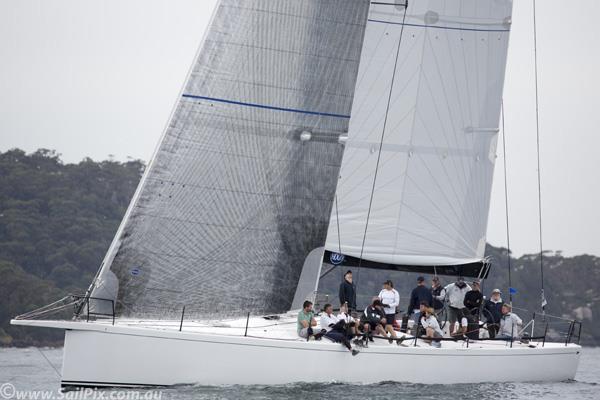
(360, 107)
(50, 363)
(328, 271)
(539, 179)
(337, 219)
(506, 203)
(362, 248)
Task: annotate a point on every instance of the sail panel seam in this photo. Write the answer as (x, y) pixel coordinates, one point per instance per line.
(452, 28)
(265, 106)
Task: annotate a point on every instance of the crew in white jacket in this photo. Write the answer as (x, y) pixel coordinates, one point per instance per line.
(390, 299)
(334, 332)
(510, 323)
(455, 292)
(351, 323)
(328, 319)
(432, 327)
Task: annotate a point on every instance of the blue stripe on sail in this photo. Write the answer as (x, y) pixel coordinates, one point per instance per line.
(266, 107)
(439, 27)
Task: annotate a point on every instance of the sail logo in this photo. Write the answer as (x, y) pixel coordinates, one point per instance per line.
(336, 258)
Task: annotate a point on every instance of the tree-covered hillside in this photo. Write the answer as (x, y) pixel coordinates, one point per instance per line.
(57, 220)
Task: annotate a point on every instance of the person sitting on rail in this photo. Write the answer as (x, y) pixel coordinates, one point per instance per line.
(335, 328)
(328, 319)
(373, 319)
(306, 321)
(510, 323)
(432, 327)
(390, 299)
(351, 323)
(417, 328)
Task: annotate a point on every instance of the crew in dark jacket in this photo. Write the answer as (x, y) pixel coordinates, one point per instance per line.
(348, 292)
(493, 312)
(419, 295)
(473, 301)
(438, 293)
(373, 320)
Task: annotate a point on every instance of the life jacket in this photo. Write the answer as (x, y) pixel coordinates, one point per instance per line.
(372, 315)
(437, 304)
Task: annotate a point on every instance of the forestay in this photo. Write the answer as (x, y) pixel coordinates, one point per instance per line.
(429, 151)
(240, 189)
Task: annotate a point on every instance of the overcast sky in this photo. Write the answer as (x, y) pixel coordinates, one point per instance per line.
(99, 78)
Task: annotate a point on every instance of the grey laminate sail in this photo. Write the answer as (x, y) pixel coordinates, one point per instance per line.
(240, 189)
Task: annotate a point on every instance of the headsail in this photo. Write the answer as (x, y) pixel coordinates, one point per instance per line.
(240, 189)
(415, 182)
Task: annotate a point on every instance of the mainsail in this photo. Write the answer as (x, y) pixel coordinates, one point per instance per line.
(240, 189)
(415, 182)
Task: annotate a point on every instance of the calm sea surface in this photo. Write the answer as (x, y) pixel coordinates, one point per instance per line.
(28, 369)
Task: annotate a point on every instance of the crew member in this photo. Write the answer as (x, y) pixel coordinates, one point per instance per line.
(419, 295)
(493, 312)
(456, 297)
(347, 293)
(473, 301)
(306, 320)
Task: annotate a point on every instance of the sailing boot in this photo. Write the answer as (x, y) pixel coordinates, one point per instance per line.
(309, 333)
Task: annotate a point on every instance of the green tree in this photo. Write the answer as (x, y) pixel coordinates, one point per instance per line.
(56, 223)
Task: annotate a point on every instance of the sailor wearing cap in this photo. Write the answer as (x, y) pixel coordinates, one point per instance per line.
(347, 293)
(492, 311)
(473, 301)
(510, 323)
(456, 296)
(438, 293)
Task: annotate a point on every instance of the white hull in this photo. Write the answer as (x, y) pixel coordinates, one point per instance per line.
(104, 355)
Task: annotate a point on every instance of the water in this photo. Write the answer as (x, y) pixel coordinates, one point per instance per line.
(27, 369)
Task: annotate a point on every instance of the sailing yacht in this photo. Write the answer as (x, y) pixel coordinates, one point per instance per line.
(340, 132)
